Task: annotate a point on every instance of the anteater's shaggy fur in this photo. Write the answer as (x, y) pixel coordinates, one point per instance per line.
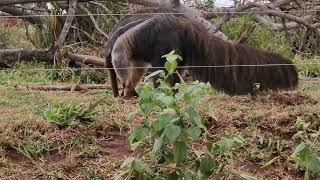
(141, 40)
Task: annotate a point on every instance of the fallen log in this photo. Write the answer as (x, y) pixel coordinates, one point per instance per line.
(56, 87)
(10, 56)
(84, 59)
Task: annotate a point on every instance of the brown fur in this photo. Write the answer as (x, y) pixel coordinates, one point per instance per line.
(146, 42)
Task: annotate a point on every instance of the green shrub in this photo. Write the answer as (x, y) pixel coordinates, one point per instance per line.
(171, 121)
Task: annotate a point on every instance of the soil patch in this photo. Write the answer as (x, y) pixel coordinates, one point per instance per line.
(270, 172)
(16, 158)
(113, 143)
(291, 98)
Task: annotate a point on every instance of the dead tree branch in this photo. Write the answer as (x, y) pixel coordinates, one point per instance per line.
(4, 14)
(279, 26)
(270, 9)
(20, 12)
(88, 35)
(106, 10)
(192, 13)
(288, 16)
(189, 12)
(84, 59)
(13, 2)
(96, 25)
(66, 26)
(231, 12)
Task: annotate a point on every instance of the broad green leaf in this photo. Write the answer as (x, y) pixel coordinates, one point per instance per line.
(179, 152)
(144, 91)
(195, 93)
(138, 134)
(179, 57)
(299, 148)
(145, 98)
(172, 132)
(158, 144)
(145, 107)
(225, 144)
(141, 167)
(194, 133)
(168, 101)
(169, 54)
(172, 56)
(301, 151)
(313, 163)
(170, 66)
(207, 165)
(194, 117)
(126, 162)
(165, 120)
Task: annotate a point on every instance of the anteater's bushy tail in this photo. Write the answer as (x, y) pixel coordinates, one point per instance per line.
(239, 69)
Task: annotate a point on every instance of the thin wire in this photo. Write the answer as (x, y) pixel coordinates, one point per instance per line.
(162, 67)
(138, 14)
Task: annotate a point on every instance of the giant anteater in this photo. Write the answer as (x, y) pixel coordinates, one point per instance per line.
(141, 40)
